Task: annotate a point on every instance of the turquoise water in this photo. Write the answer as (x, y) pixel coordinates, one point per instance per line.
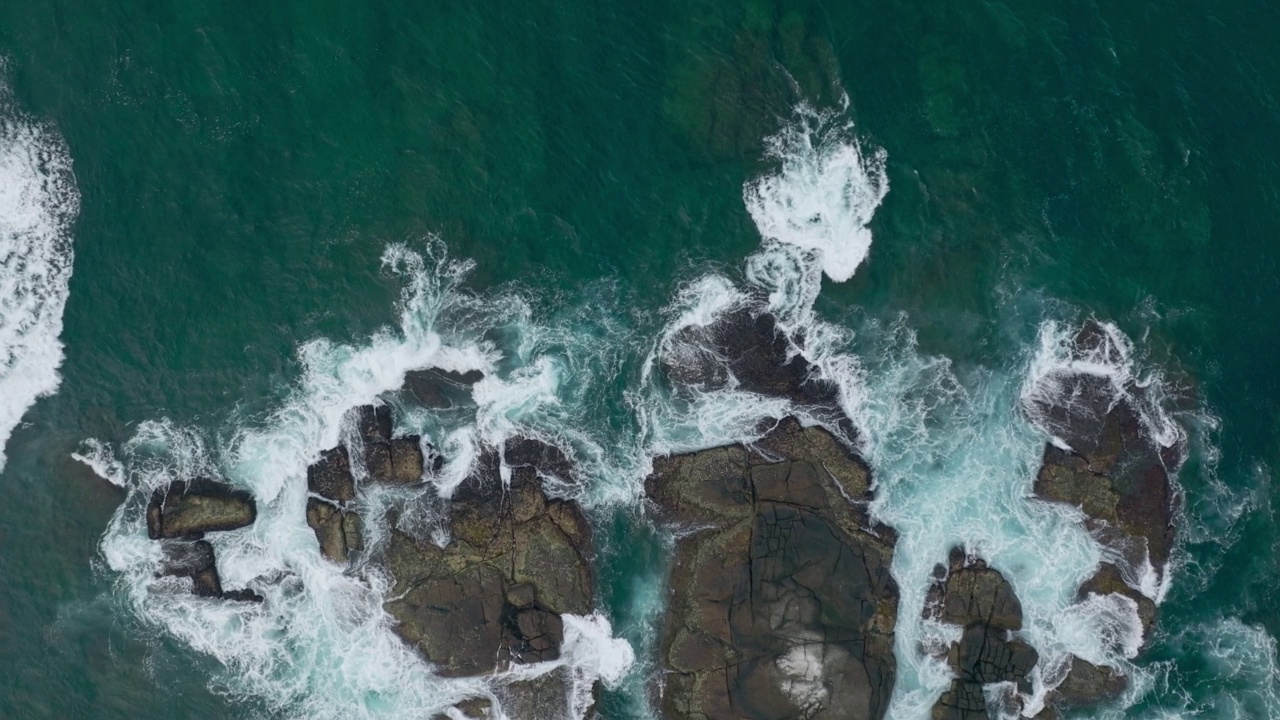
(241, 171)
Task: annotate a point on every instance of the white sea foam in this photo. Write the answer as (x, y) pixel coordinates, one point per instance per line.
(824, 193)
(38, 205)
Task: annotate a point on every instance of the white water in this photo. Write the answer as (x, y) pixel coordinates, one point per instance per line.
(953, 453)
(38, 204)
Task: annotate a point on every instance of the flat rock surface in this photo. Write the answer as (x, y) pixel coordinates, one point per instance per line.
(189, 509)
(781, 602)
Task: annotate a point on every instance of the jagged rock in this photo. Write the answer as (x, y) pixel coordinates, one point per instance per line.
(474, 709)
(398, 461)
(337, 531)
(747, 345)
(1113, 471)
(547, 460)
(494, 595)
(188, 510)
(373, 422)
(196, 560)
(969, 594)
(781, 603)
(435, 388)
(330, 477)
(1108, 580)
(1118, 477)
(1086, 685)
(979, 599)
(546, 696)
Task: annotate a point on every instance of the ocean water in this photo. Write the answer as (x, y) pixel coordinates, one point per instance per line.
(272, 212)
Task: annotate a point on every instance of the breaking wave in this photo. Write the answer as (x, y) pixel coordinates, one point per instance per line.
(38, 205)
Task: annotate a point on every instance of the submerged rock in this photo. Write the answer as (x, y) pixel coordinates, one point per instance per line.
(435, 388)
(190, 509)
(746, 345)
(337, 530)
(979, 599)
(196, 560)
(397, 461)
(517, 561)
(781, 601)
(545, 459)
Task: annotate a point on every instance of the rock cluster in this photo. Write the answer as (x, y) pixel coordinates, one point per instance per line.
(781, 600)
(747, 346)
(387, 459)
(179, 515)
(1119, 478)
(979, 599)
(517, 560)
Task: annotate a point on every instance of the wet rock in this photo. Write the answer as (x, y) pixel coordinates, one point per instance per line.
(337, 531)
(473, 709)
(1112, 469)
(1119, 477)
(1087, 685)
(748, 346)
(978, 598)
(781, 603)
(547, 696)
(435, 388)
(188, 510)
(547, 460)
(330, 477)
(373, 422)
(517, 561)
(970, 593)
(196, 560)
(398, 461)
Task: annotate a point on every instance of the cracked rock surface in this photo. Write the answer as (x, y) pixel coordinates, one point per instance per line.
(781, 605)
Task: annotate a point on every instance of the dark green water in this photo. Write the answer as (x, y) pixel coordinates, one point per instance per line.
(242, 167)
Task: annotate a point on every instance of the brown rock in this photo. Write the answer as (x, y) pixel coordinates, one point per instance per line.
(337, 531)
(330, 477)
(188, 510)
(788, 575)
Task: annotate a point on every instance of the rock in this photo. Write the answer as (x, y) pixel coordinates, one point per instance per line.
(1118, 477)
(545, 697)
(978, 598)
(1113, 471)
(196, 560)
(373, 422)
(330, 477)
(188, 510)
(474, 709)
(781, 603)
(435, 388)
(1087, 685)
(747, 345)
(1108, 580)
(970, 594)
(516, 562)
(337, 531)
(547, 460)
(398, 461)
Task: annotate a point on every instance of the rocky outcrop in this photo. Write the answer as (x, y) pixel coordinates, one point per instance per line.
(187, 510)
(196, 560)
(398, 461)
(979, 599)
(517, 560)
(1105, 462)
(337, 530)
(331, 478)
(435, 388)
(781, 600)
(747, 346)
